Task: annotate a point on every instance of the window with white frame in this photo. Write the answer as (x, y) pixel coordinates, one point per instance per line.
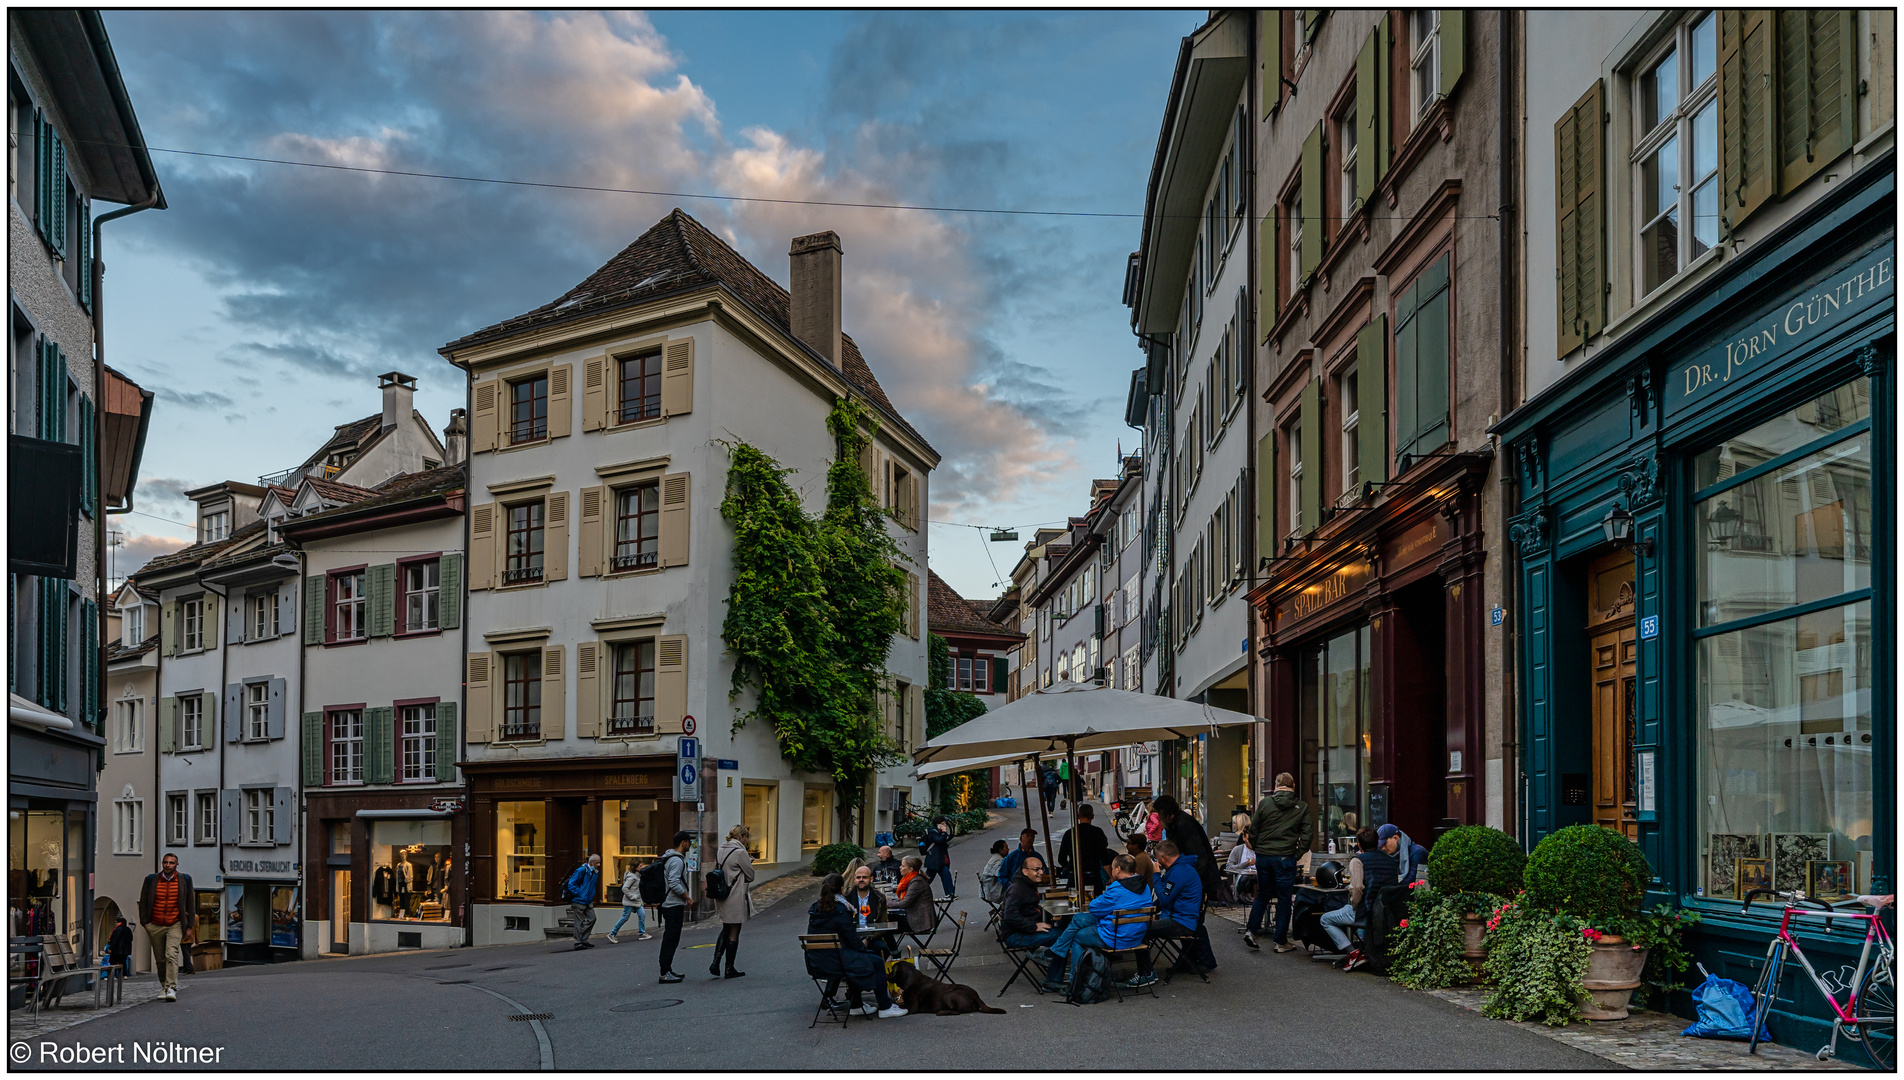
(419, 742)
(1064, 667)
(419, 595)
(347, 601)
(259, 811)
(206, 811)
(262, 614)
(1079, 673)
(1424, 61)
(191, 711)
(1345, 138)
(1351, 420)
(257, 710)
(217, 526)
(128, 827)
(128, 725)
(1293, 442)
(132, 625)
(347, 746)
(1293, 213)
(175, 822)
(1676, 152)
(192, 624)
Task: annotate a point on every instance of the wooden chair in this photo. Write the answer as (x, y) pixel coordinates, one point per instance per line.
(943, 958)
(1139, 953)
(835, 1010)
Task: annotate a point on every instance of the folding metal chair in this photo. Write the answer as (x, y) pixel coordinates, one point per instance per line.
(922, 939)
(1021, 963)
(1176, 947)
(1138, 953)
(942, 959)
(835, 1010)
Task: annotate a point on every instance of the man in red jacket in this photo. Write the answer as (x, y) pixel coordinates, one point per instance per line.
(165, 909)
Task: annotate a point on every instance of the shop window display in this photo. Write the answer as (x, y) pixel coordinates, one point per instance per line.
(410, 867)
(1336, 734)
(758, 813)
(522, 836)
(205, 902)
(1785, 674)
(816, 819)
(35, 856)
(631, 831)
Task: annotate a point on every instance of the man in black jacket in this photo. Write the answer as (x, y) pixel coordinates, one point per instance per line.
(1097, 848)
(1279, 833)
(1021, 922)
(936, 847)
(1187, 832)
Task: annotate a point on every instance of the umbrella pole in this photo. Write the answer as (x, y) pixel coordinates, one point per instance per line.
(1077, 838)
(1044, 818)
(1023, 790)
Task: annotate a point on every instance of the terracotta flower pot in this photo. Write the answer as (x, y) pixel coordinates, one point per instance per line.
(1613, 973)
(1473, 938)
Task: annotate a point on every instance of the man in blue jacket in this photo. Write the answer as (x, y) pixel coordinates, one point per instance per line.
(1180, 902)
(583, 887)
(1093, 929)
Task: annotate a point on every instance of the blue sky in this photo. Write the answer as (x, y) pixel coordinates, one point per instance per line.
(262, 304)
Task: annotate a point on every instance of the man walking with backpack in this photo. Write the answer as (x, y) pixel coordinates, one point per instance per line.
(583, 886)
(673, 884)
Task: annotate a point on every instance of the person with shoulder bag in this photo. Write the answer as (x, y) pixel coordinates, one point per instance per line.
(729, 885)
(631, 904)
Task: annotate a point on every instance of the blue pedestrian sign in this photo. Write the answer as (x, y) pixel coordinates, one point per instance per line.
(688, 774)
(1649, 627)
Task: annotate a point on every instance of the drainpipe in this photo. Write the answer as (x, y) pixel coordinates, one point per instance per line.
(1512, 353)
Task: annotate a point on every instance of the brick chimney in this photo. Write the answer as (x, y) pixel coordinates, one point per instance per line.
(398, 392)
(815, 277)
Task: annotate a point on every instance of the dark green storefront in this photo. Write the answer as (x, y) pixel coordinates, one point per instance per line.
(1728, 695)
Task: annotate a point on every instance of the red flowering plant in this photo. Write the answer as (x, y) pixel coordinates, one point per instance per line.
(1426, 950)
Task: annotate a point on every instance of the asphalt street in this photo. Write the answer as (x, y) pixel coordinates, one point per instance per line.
(453, 1010)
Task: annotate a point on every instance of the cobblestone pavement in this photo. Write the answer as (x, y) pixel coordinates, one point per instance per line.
(77, 1008)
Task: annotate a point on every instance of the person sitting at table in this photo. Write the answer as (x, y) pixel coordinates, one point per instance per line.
(886, 864)
(1242, 866)
(867, 902)
(1097, 847)
(1179, 890)
(1135, 848)
(851, 865)
(1371, 869)
(1021, 917)
(1093, 929)
(916, 912)
(1015, 859)
(991, 888)
(1409, 856)
(855, 963)
(1187, 833)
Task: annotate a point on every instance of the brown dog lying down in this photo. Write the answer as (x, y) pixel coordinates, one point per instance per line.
(920, 993)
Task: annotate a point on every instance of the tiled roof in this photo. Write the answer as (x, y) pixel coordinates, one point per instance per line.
(680, 253)
(336, 492)
(948, 612)
(131, 652)
(193, 554)
(401, 488)
(346, 435)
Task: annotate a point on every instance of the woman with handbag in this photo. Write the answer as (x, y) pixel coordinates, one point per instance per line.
(728, 885)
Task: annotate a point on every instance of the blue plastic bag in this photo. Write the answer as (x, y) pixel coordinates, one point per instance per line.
(1725, 1010)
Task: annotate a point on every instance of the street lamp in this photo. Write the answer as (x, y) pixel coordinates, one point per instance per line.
(1618, 526)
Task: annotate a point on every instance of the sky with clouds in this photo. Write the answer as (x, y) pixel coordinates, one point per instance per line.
(261, 306)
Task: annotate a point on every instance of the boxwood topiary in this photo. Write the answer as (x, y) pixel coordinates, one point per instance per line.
(1587, 871)
(1476, 859)
(832, 858)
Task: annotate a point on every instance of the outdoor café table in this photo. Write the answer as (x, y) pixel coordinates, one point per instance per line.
(884, 935)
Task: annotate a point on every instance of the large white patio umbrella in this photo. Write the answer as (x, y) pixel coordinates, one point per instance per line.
(1073, 717)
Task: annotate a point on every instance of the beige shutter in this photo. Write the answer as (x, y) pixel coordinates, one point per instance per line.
(867, 457)
(555, 536)
(1311, 508)
(1454, 47)
(168, 628)
(561, 406)
(588, 696)
(1367, 86)
(1817, 91)
(482, 418)
(674, 519)
(594, 393)
(1266, 496)
(915, 715)
(912, 605)
(482, 546)
(1578, 210)
(1748, 177)
(554, 700)
(476, 688)
(1269, 55)
(1314, 222)
(914, 482)
(671, 683)
(677, 378)
(588, 543)
(1266, 279)
(1371, 400)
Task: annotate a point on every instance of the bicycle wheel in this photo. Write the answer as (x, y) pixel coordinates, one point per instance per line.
(1765, 991)
(1877, 1015)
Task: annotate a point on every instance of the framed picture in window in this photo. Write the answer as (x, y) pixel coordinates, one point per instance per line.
(1723, 850)
(1752, 874)
(1828, 879)
(1791, 853)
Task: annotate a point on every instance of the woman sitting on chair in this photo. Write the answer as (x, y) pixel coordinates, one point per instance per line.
(854, 962)
(916, 912)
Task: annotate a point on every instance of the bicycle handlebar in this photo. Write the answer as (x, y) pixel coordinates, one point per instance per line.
(1792, 899)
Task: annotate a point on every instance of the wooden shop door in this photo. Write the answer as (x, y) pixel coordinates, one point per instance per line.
(1613, 649)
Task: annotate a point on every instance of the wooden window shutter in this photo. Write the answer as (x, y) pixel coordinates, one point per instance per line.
(211, 608)
(1383, 143)
(382, 580)
(168, 629)
(449, 591)
(561, 401)
(588, 695)
(1269, 59)
(914, 481)
(677, 378)
(593, 535)
(1311, 508)
(1579, 213)
(57, 194)
(482, 417)
(1454, 47)
(675, 508)
(1367, 85)
(1311, 22)
(1266, 277)
(1748, 175)
(555, 536)
(380, 748)
(482, 546)
(86, 254)
(1313, 201)
(446, 743)
(866, 465)
(1266, 496)
(554, 698)
(912, 605)
(915, 715)
(1371, 400)
(168, 725)
(1817, 91)
(671, 683)
(235, 628)
(274, 709)
(312, 752)
(476, 692)
(594, 393)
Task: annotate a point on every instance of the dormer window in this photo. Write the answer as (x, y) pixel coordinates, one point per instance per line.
(132, 622)
(214, 527)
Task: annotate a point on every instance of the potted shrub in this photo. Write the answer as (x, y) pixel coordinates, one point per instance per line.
(1483, 864)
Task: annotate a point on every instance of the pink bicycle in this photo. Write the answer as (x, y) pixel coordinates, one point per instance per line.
(1869, 1014)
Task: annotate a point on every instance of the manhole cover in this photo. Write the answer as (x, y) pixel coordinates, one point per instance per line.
(533, 1016)
(645, 1006)
(446, 967)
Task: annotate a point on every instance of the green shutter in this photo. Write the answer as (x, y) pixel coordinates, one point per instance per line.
(42, 174)
(1371, 403)
(58, 195)
(1269, 54)
(1266, 496)
(446, 742)
(1817, 91)
(86, 254)
(1579, 203)
(1311, 456)
(1266, 271)
(313, 751)
(1747, 175)
(449, 592)
(1367, 85)
(314, 609)
(168, 725)
(1432, 345)
(1384, 99)
(1311, 22)
(1407, 359)
(60, 640)
(1454, 48)
(379, 755)
(86, 471)
(382, 579)
(1312, 201)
